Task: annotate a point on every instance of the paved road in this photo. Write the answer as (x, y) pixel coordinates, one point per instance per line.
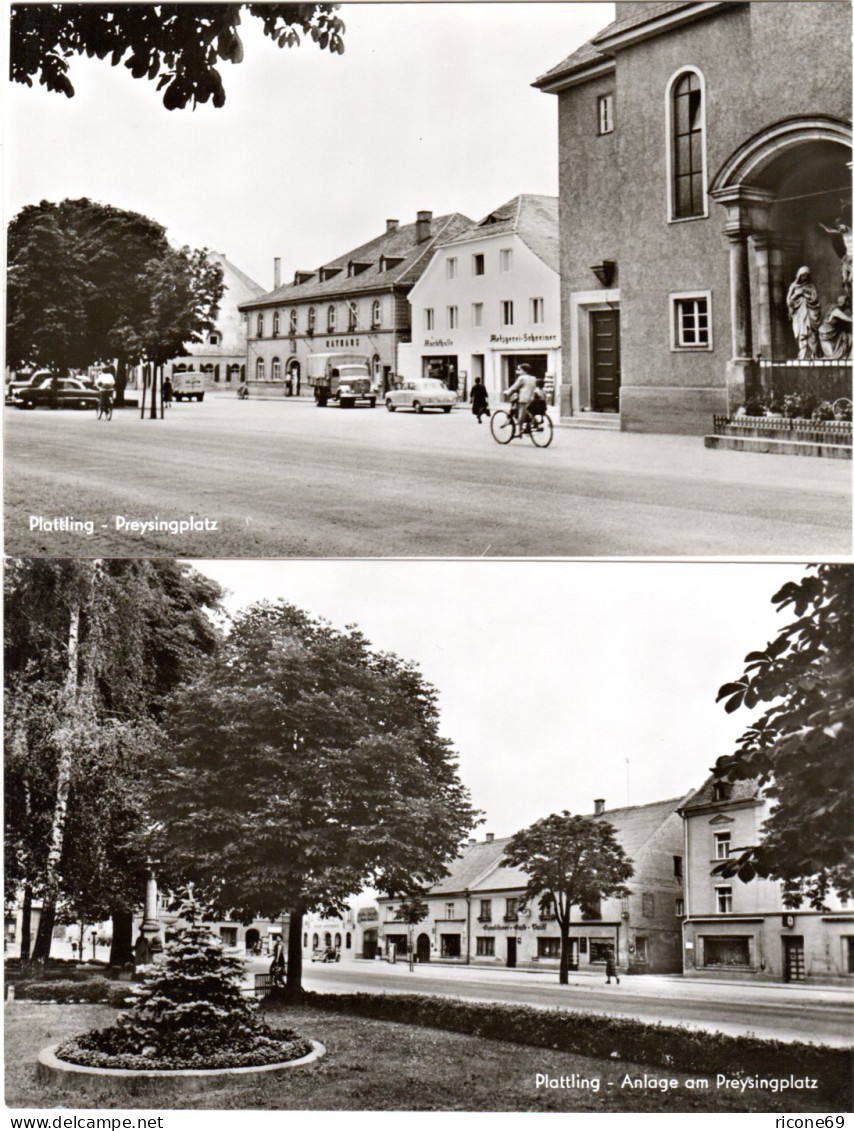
(824, 1015)
(283, 479)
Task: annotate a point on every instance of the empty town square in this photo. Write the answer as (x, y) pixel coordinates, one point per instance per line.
(283, 478)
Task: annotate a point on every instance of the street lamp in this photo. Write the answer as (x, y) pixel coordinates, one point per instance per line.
(94, 942)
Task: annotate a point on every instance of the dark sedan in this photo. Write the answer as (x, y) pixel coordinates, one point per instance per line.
(67, 392)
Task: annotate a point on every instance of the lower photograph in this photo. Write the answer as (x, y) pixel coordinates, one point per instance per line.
(402, 836)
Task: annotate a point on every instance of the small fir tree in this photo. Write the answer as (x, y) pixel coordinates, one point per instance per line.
(190, 1012)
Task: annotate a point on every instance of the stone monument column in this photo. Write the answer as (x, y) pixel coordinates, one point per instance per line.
(150, 926)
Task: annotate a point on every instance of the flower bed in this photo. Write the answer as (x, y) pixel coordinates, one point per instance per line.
(286, 1045)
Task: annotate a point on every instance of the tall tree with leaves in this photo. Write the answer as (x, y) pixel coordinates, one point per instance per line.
(800, 748)
(180, 45)
(571, 861)
(91, 283)
(91, 650)
(308, 765)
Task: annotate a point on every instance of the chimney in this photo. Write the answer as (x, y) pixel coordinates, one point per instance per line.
(392, 225)
(472, 840)
(423, 226)
(598, 806)
(489, 837)
(277, 273)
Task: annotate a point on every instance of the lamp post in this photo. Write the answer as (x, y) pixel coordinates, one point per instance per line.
(94, 942)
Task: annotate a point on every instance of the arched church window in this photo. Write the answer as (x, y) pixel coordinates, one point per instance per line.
(687, 147)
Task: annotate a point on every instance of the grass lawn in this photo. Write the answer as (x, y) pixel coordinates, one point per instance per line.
(382, 1066)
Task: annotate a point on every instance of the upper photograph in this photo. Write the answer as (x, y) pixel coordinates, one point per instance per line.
(511, 280)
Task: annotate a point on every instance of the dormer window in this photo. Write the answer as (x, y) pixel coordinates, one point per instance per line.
(387, 262)
(354, 267)
(721, 791)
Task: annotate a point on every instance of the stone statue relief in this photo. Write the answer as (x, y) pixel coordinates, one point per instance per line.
(842, 246)
(805, 312)
(834, 333)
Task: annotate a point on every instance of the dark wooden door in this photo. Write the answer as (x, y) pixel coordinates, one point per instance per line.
(605, 360)
(793, 958)
(511, 952)
(422, 949)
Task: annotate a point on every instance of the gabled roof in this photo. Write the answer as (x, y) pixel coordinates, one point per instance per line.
(233, 274)
(534, 219)
(479, 867)
(745, 790)
(397, 244)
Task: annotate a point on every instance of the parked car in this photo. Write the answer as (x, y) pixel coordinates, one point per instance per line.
(325, 954)
(424, 392)
(15, 388)
(69, 393)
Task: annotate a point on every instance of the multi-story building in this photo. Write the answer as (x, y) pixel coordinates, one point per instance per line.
(735, 929)
(705, 154)
(476, 915)
(357, 304)
(352, 934)
(490, 299)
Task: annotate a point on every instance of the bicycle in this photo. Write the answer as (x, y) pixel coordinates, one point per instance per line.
(505, 427)
(105, 404)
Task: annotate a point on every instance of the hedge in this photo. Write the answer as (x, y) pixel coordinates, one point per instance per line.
(67, 992)
(609, 1038)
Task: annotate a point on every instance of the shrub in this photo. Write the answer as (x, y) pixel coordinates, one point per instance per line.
(68, 992)
(189, 1012)
(607, 1038)
(823, 411)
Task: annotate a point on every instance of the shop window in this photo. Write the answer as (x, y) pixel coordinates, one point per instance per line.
(260, 372)
(600, 948)
(485, 947)
(687, 170)
(505, 259)
(485, 910)
(725, 950)
(848, 944)
(605, 113)
(507, 312)
(723, 900)
(398, 942)
(722, 845)
(548, 948)
(538, 308)
(451, 267)
(260, 326)
(691, 326)
(478, 264)
(452, 317)
(451, 946)
(648, 905)
(228, 936)
(428, 318)
(477, 314)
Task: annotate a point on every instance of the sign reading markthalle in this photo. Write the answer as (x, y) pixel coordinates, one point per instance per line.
(514, 339)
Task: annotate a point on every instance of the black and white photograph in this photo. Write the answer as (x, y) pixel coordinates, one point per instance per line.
(417, 280)
(394, 836)
(428, 573)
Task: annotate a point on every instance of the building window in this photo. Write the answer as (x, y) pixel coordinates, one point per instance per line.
(260, 326)
(312, 319)
(848, 955)
(276, 369)
(547, 908)
(214, 339)
(600, 949)
(305, 938)
(451, 946)
(349, 941)
(330, 319)
(327, 939)
(276, 324)
(259, 369)
(721, 791)
(376, 314)
(293, 322)
(451, 267)
(452, 317)
(686, 149)
(505, 259)
(605, 113)
(691, 324)
(722, 845)
(723, 900)
(449, 911)
(478, 264)
(507, 312)
(725, 950)
(228, 936)
(648, 905)
(511, 909)
(352, 316)
(677, 867)
(485, 948)
(485, 910)
(337, 940)
(680, 907)
(548, 948)
(641, 954)
(315, 942)
(477, 314)
(428, 318)
(538, 307)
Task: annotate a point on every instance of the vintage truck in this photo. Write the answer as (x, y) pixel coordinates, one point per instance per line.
(341, 377)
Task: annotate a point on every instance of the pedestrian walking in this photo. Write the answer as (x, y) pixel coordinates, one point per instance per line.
(277, 966)
(167, 392)
(479, 400)
(611, 968)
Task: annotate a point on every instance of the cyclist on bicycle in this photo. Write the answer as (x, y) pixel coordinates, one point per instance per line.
(105, 384)
(523, 390)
